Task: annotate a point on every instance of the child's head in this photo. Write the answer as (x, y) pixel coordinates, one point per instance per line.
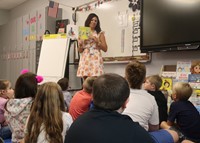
(26, 85)
(110, 92)
(153, 83)
(64, 83)
(49, 98)
(46, 110)
(88, 83)
(181, 91)
(135, 73)
(5, 89)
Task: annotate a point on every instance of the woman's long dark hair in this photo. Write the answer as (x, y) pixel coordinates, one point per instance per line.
(88, 20)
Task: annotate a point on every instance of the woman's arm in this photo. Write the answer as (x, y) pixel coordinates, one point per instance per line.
(80, 46)
(102, 42)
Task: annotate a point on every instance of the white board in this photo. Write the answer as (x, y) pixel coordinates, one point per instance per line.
(52, 61)
(109, 14)
(116, 19)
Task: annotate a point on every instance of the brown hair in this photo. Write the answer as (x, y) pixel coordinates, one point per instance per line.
(110, 91)
(182, 90)
(88, 20)
(46, 112)
(26, 85)
(64, 83)
(4, 84)
(135, 73)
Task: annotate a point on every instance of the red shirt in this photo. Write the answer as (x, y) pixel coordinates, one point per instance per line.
(80, 103)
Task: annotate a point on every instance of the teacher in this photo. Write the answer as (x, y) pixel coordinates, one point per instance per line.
(91, 60)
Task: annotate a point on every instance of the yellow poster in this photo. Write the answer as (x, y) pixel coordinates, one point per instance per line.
(166, 84)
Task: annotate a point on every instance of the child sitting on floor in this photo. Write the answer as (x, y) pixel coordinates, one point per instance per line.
(183, 116)
(81, 101)
(48, 121)
(152, 84)
(6, 92)
(64, 84)
(18, 109)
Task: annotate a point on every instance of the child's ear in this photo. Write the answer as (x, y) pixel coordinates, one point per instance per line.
(173, 96)
(3, 92)
(125, 103)
(153, 86)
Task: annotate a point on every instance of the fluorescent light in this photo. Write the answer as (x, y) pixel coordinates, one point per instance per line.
(105, 6)
(183, 2)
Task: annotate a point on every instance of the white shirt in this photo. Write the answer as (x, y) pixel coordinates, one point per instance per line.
(142, 108)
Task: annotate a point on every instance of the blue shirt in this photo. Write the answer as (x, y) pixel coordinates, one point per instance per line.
(186, 117)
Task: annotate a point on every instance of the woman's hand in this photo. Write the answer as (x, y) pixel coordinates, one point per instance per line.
(80, 42)
(96, 40)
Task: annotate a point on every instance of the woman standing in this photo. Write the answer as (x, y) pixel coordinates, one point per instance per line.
(91, 61)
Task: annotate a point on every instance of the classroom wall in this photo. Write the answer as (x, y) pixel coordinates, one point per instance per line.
(4, 16)
(7, 39)
(158, 59)
(15, 53)
(33, 5)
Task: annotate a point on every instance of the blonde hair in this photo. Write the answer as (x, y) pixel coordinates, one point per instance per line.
(156, 80)
(88, 83)
(182, 90)
(46, 112)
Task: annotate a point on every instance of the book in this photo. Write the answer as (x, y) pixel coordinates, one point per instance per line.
(72, 31)
(183, 69)
(166, 84)
(197, 92)
(194, 78)
(179, 80)
(61, 26)
(169, 74)
(61, 30)
(195, 67)
(195, 97)
(195, 85)
(84, 32)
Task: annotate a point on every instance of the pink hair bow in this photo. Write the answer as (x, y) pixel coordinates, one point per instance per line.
(38, 77)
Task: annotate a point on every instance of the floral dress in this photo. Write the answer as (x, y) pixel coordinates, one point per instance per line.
(91, 61)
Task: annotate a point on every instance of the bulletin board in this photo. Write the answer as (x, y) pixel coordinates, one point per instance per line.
(121, 27)
(53, 56)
